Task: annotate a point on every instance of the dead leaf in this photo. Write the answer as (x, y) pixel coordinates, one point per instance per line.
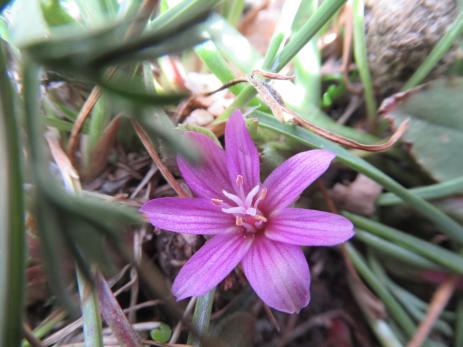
(359, 196)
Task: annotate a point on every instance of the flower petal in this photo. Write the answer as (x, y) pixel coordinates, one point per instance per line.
(241, 153)
(189, 215)
(210, 265)
(303, 227)
(293, 176)
(279, 274)
(208, 178)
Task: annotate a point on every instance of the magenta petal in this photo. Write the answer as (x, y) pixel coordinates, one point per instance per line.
(303, 227)
(210, 265)
(279, 274)
(241, 152)
(293, 176)
(208, 178)
(189, 215)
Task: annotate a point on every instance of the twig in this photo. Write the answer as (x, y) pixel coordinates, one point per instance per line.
(276, 103)
(439, 300)
(157, 160)
(178, 327)
(134, 29)
(80, 120)
(272, 318)
(144, 182)
(30, 337)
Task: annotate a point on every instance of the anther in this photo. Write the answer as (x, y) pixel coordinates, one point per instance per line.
(239, 180)
(260, 218)
(239, 221)
(263, 193)
(217, 202)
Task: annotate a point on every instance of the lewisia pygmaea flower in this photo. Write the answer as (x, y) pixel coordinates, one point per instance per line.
(252, 222)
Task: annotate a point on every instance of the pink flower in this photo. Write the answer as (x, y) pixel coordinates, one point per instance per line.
(251, 221)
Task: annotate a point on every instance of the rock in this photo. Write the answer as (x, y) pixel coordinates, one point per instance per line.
(400, 35)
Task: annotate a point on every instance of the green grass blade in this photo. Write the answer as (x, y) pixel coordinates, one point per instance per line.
(442, 47)
(439, 255)
(360, 54)
(395, 251)
(434, 191)
(440, 219)
(396, 310)
(12, 229)
(202, 317)
(93, 332)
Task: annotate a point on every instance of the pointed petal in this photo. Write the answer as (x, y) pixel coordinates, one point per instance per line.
(189, 215)
(241, 152)
(208, 178)
(303, 227)
(293, 176)
(210, 265)
(279, 274)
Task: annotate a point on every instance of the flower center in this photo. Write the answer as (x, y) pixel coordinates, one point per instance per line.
(245, 207)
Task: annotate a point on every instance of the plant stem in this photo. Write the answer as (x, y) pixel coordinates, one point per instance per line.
(395, 251)
(360, 54)
(235, 11)
(395, 309)
(12, 229)
(435, 191)
(93, 333)
(202, 317)
(326, 10)
(440, 219)
(441, 48)
(459, 324)
(439, 255)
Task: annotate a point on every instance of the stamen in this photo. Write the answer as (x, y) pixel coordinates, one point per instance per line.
(239, 180)
(239, 221)
(251, 211)
(262, 195)
(217, 202)
(251, 195)
(233, 197)
(260, 218)
(234, 210)
(240, 183)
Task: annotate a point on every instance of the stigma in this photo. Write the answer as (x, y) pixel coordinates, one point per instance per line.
(245, 207)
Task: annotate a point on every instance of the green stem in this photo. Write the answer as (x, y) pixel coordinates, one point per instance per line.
(395, 251)
(395, 309)
(435, 191)
(307, 65)
(202, 317)
(12, 229)
(441, 48)
(235, 11)
(439, 255)
(326, 10)
(360, 55)
(93, 333)
(440, 219)
(459, 324)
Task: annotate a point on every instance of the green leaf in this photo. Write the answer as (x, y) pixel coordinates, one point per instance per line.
(436, 125)
(54, 13)
(237, 329)
(27, 14)
(161, 334)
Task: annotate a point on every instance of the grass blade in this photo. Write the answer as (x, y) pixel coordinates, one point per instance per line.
(12, 229)
(440, 219)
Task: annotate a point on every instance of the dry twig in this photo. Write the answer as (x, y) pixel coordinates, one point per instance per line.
(439, 300)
